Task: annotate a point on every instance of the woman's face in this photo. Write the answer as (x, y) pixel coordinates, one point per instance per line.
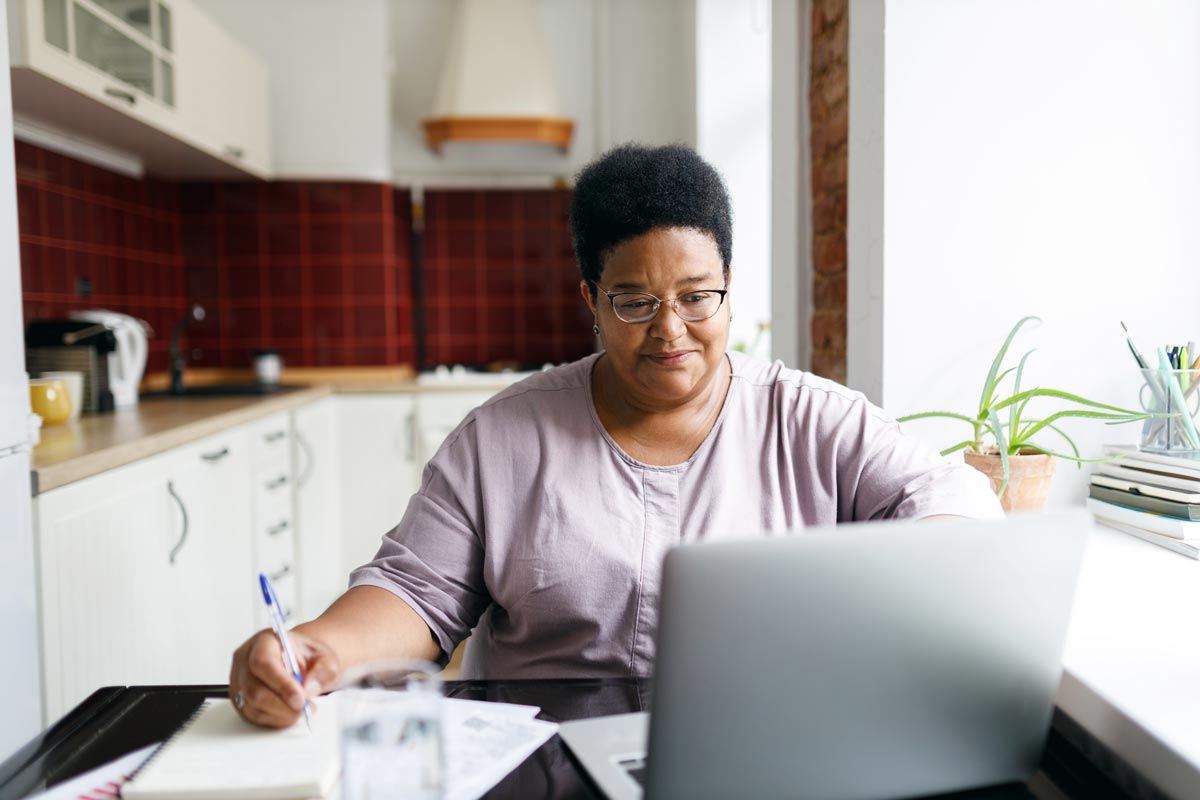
(665, 361)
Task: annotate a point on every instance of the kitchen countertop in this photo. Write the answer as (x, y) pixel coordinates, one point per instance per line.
(95, 443)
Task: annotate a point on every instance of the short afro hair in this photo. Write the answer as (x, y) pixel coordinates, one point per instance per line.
(634, 189)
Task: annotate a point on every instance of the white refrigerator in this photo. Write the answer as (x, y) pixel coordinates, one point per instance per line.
(20, 687)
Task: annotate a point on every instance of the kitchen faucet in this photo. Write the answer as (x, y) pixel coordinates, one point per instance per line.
(178, 360)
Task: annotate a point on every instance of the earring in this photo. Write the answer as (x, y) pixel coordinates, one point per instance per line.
(731, 315)
(596, 330)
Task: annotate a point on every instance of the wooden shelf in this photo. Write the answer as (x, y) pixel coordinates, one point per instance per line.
(552, 131)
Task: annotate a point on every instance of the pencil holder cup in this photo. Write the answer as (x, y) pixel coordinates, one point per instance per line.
(392, 739)
(1175, 394)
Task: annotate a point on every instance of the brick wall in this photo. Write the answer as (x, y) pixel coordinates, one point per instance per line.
(828, 116)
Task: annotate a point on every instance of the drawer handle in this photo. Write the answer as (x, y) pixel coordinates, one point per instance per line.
(275, 483)
(233, 151)
(121, 94)
(283, 573)
(217, 456)
(275, 530)
(274, 436)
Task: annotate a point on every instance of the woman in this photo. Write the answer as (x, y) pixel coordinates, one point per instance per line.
(543, 519)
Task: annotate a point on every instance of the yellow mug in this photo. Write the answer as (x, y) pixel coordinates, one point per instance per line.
(49, 399)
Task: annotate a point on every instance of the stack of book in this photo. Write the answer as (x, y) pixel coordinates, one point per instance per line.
(1151, 496)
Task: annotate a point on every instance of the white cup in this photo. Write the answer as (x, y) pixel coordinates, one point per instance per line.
(268, 367)
(74, 383)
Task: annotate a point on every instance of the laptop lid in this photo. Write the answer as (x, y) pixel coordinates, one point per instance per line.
(871, 660)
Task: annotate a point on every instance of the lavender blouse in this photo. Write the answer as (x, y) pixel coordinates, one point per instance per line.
(532, 526)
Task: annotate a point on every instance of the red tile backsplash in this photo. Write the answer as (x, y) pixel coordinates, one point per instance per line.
(321, 271)
(282, 248)
(500, 278)
(85, 231)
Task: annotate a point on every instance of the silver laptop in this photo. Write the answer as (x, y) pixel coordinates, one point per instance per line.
(868, 661)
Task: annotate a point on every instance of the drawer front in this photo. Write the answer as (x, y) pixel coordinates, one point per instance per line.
(273, 483)
(271, 441)
(274, 537)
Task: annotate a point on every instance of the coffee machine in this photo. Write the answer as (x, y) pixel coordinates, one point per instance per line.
(76, 346)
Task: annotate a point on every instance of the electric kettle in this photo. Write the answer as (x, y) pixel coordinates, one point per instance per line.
(128, 361)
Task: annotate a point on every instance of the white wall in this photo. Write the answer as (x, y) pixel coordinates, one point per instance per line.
(1038, 158)
(733, 132)
(652, 71)
(865, 199)
(791, 198)
(329, 82)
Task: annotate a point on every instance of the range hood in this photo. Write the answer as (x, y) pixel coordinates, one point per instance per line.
(496, 83)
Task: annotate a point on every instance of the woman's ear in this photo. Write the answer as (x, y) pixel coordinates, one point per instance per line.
(585, 290)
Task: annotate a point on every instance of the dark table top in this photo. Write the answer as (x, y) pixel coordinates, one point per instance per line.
(118, 720)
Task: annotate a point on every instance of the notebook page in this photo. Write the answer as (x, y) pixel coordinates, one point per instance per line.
(217, 754)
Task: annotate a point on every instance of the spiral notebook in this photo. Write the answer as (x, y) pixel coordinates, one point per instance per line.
(216, 754)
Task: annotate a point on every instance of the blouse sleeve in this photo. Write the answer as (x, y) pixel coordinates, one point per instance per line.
(884, 473)
(433, 559)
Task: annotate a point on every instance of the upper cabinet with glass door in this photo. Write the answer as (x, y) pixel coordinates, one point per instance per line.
(148, 76)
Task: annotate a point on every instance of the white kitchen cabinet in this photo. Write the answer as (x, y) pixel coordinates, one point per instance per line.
(213, 586)
(331, 76)
(106, 583)
(316, 469)
(385, 441)
(226, 104)
(145, 572)
(156, 78)
(379, 469)
(439, 413)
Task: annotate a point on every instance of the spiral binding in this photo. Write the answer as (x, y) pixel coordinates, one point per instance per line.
(187, 723)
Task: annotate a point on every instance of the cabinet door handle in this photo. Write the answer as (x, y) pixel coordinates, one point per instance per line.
(287, 570)
(274, 436)
(121, 94)
(306, 449)
(275, 530)
(182, 510)
(234, 152)
(275, 483)
(217, 456)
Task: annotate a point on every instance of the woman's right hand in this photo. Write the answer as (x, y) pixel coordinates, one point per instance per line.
(269, 694)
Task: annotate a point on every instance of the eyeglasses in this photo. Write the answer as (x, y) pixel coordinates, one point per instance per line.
(634, 307)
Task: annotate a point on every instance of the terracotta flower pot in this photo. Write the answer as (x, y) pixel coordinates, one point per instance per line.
(1029, 475)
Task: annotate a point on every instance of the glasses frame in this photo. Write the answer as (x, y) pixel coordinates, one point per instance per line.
(658, 303)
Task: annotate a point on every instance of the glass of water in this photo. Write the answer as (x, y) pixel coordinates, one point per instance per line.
(391, 720)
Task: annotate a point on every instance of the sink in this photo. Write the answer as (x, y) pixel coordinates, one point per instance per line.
(226, 390)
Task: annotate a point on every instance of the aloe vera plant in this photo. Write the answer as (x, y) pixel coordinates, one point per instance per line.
(1003, 417)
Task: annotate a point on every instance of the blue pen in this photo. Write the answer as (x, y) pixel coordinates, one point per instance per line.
(276, 613)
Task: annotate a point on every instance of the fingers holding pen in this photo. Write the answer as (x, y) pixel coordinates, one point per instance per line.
(318, 663)
(268, 693)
